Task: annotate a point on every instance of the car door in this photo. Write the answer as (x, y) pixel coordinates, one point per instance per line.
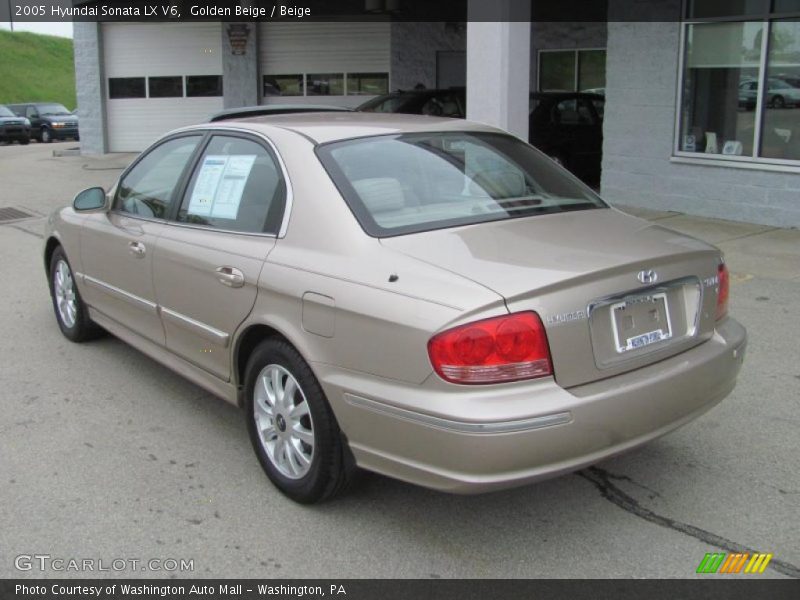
(117, 247)
(32, 114)
(209, 256)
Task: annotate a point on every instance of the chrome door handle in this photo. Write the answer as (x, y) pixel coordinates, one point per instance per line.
(137, 249)
(230, 276)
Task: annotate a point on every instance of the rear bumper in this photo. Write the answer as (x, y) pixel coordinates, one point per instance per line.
(469, 439)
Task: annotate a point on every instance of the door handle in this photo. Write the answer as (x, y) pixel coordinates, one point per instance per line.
(137, 249)
(230, 276)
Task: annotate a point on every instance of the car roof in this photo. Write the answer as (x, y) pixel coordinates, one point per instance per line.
(334, 126)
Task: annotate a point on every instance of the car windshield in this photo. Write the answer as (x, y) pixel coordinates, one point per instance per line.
(403, 102)
(4, 112)
(52, 110)
(399, 184)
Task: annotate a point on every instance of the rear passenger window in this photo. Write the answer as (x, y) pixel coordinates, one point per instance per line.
(237, 186)
(146, 190)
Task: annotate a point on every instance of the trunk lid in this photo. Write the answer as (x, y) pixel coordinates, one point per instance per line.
(580, 272)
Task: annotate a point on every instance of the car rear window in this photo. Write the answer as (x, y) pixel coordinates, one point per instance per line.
(400, 184)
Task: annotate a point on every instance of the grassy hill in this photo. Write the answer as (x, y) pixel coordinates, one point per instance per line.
(36, 67)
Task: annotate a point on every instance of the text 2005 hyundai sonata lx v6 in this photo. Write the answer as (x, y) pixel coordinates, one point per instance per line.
(427, 298)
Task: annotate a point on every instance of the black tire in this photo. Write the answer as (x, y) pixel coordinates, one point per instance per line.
(778, 102)
(45, 136)
(25, 141)
(82, 328)
(331, 468)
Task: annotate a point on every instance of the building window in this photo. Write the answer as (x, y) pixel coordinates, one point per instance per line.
(367, 84)
(284, 85)
(740, 82)
(203, 85)
(582, 70)
(126, 87)
(165, 87)
(325, 84)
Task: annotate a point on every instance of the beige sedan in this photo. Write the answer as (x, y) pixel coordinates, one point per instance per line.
(426, 298)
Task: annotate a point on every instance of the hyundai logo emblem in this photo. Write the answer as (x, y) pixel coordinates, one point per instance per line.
(648, 276)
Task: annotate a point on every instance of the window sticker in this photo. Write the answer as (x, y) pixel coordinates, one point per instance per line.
(230, 190)
(219, 186)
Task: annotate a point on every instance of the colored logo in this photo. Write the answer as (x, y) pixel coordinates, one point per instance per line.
(720, 562)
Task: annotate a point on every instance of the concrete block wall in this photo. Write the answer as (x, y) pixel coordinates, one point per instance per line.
(90, 86)
(639, 128)
(240, 71)
(413, 51)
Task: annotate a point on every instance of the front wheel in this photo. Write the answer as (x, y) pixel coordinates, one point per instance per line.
(292, 428)
(71, 314)
(46, 136)
(778, 102)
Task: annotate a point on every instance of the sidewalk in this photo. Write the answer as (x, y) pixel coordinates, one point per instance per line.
(750, 250)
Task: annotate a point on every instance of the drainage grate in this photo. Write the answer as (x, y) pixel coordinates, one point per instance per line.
(13, 214)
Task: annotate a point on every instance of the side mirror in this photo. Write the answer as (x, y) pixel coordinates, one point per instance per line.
(93, 198)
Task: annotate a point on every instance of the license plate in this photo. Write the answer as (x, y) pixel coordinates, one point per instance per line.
(640, 321)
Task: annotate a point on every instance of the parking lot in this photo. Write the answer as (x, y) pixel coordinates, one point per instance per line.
(105, 454)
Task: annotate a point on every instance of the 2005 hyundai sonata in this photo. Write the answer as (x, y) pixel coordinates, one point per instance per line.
(427, 298)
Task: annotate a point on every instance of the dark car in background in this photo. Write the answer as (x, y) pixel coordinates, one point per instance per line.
(13, 128)
(49, 120)
(434, 103)
(567, 126)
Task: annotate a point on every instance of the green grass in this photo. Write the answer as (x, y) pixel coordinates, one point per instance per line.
(36, 68)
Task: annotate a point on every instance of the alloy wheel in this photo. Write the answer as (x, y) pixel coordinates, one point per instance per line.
(64, 288)
(283, 421)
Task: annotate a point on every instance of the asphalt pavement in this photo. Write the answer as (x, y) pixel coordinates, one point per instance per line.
(106, 455)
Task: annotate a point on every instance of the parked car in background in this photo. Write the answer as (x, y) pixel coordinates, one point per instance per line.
(49, 121)
(266, 110)
(428, 298)
(14, 128)
(567, 126)
(435, 103)
(781, 93)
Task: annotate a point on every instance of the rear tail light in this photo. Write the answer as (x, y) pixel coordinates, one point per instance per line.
(724, 290)
(495, 350)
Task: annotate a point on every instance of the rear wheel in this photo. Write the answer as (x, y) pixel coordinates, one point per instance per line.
(25, 141)
(71, 313)
(292, 428)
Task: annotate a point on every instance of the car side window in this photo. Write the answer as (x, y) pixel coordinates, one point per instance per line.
(31, 113)
(572, 112)
(146, 190)
(445, 105)
(236, 186)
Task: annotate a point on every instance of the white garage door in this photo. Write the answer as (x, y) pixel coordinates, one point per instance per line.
(159, 76)
(323, 63)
